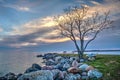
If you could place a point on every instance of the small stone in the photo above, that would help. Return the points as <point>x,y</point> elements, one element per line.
<point>94,73</point>
<point>66,66</point>
<point>75,63</point>
<point>74,70</point>
<point>71,76</point>
<point>83,67</point>
<point>89,68</point>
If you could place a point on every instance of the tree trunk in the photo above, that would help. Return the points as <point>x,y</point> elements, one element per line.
<point>80,53</point>
<point>77,47</point>
<point>82,46</point>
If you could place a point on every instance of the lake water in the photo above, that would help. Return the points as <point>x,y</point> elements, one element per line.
<point>17,62</point>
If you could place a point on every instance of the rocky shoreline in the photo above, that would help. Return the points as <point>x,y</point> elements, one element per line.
<point>58,68</point>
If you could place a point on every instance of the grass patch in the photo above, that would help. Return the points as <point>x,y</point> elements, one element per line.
<point>109,65</point>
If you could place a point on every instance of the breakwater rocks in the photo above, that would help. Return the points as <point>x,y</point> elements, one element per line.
<point>57,68</point>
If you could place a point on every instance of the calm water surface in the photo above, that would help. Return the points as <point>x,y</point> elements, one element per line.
<point>17,62</point>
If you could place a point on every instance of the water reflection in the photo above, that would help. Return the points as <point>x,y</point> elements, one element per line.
<point>17,62</point>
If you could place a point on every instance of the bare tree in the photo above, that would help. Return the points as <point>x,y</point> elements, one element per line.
<point>81,26</point>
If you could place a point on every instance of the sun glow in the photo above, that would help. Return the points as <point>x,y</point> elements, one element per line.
<point>52,40</point>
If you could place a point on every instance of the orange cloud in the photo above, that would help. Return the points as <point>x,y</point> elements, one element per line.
<point>33,26</point>
<point>52,40</point>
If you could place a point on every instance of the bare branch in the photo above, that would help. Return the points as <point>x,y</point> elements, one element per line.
<point>76,24</point>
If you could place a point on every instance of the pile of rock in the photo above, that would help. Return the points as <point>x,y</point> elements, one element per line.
<point>61,68</point>
<point>57,68</point>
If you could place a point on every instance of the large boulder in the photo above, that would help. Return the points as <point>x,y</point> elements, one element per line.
<point>35,67</point>
<point>38,75</point>
<point>30,69</point>
<point>42,75</point>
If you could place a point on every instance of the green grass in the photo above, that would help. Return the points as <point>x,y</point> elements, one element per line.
<point>109,65</point>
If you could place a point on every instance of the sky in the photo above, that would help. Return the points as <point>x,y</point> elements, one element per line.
<point>28,26</point>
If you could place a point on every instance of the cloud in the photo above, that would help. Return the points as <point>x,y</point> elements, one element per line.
<point>18,7</point>
<point>107,5</point>
<point>1,29</point>
<point>24,44</point>
<point>23,8</point>
<point>43,30</point>
<point>33,33</point>
<point>56,40</point>
<point>111,1</point>
<point>95,3</point>
<point>34,26</point>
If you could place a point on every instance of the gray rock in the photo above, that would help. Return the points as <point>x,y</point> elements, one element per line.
<point>83,67</point>
<point>85,77</point>
<point>59,66</point>
<point>47,68</point>
<point>40,55</point>
<point>62,60</point>
<point>50,62</point>
<point>82,60</point>
<point>84,73</point>
<point>50,56</point>
<point>20,74</point>
<point>94,73</point>
<point>3,78</point>
<point>72,59</point>
<point>10,76</point>
<point>66,66</point>
<point>58,58</point>
<point>31,69</point>
<point>75,63</point>
<point>56,74</point>
<point>91,57</point>
<point>71,76</point>
<point>35,67</point>
<point>38,75</point>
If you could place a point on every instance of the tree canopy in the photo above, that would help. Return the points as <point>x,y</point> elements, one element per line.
<point>82,26</point>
